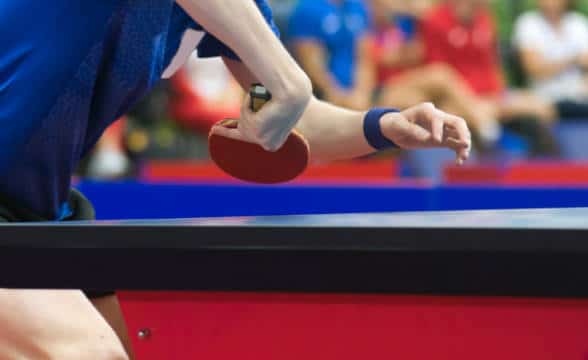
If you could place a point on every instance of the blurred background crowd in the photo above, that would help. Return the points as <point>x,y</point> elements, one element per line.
<point>516,70</point>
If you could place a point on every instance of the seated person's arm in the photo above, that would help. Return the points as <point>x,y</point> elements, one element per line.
<point>313,59</point>
<point>411,53</point>
<point>583,38</point>
<point>365,78</point>
<point>583,60</point>
<point>536,66</point>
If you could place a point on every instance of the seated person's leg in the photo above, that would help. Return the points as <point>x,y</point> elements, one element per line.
<point>54,324</point>
<point>538,135</point>
<point>401,95</point>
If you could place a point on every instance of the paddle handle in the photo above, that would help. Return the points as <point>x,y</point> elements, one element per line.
<point>259,96</point>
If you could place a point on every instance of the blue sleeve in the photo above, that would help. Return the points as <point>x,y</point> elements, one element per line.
<point>363,12</point>
<point>212,47</point>
<point>305,23</point>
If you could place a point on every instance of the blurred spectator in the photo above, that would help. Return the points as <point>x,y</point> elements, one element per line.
<point>462,33</point>
<point>202,93</point>
<point>553,46</point>
<point>330,39</point>
<point>108,160</point>
<point>403,78</point>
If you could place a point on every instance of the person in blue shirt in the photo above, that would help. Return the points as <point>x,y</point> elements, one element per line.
<point>69,68</point>
<point>331,40</point>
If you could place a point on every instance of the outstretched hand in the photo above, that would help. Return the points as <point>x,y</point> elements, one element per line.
<point>424,126</point>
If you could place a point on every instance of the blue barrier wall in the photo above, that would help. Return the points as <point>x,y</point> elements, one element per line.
<point>129,200</point>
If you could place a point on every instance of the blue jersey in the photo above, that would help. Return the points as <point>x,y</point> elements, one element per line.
<point>337,26</point>
<point>68,69</point>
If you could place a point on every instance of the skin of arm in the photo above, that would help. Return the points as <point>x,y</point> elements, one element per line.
<point>313,60</point>
<point>333,133</point>
<point>583,60</point>
<point>326,127</point>
<point>311,55</point>
<point>411,53</point>
<point>539,68</point>
<point>365,75</point>
<point>249,36</point>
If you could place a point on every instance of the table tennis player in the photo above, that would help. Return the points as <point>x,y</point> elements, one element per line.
<point>69,68</point>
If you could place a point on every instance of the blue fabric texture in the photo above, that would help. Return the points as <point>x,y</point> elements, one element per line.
<point>335,26</point>
<point>70,69</point>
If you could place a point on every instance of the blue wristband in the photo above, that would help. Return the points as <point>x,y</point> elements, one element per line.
<point>372,130</point>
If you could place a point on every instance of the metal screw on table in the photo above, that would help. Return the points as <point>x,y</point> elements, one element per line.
<point>144,334</point>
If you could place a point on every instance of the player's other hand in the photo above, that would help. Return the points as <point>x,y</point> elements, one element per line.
<point>270,126</point>
<point>424,126</point>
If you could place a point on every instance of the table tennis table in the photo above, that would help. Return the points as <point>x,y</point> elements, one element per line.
<point>493,284</point>
<point>541,252</point>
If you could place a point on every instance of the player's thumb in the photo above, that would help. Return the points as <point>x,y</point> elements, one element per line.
<point>231,133</point>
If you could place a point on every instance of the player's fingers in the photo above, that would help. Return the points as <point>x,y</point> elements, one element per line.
<point>449,133</point>
<point>462,153</point>
<point>460,127</point>
<point>428,117</point>
<point>437,125</point>
<point>231,133</point>
<point>420,135</point>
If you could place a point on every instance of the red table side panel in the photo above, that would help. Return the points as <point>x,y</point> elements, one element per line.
<point>473,174</point>
<point>385,170</point>
<point>548,173</point>
<point>521,173</point>
<point>300,326</point>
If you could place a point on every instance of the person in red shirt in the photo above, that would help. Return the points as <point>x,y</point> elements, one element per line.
<point>402,76</point>
<point>462,34</point>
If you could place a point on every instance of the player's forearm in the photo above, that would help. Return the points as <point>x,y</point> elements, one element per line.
<point>240,25</point>
<point>334,133</point>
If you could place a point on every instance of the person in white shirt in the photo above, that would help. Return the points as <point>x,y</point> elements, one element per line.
<point>553,46</point>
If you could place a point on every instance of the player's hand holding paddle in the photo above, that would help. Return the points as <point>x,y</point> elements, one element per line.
<point>260,149</point>
<point>425,126</point>
<point>267,124</point>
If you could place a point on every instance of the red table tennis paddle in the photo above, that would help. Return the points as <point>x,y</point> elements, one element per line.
<point>250,162</point>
